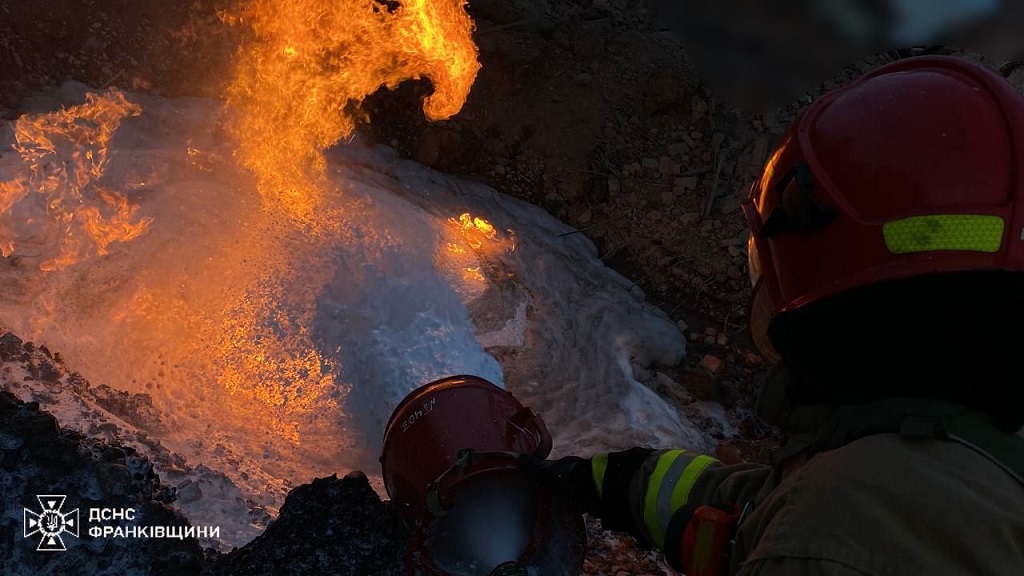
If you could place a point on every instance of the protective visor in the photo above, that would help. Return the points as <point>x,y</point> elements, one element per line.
<point>760,310</point>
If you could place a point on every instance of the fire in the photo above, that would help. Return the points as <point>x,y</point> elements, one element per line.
<point>56,204</point>
<point>468,241</point>
<point>479,234</point>
<point>475,230</point>
<point>297,88</point>
<point>310,64</point>
<point>483,226</point>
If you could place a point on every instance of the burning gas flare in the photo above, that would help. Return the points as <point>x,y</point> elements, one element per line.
<point>56,208</point>
<point>309,65</point>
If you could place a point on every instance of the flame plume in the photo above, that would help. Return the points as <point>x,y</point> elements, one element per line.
<point>310,64</point>
<point>58,191</point>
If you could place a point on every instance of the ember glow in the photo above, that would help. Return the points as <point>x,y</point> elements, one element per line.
<point>309,65</point>
<point>57,211</point>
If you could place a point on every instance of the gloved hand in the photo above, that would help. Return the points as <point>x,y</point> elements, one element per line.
<point>569,479</point>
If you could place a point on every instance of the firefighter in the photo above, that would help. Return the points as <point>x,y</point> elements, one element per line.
<point>887,258</point>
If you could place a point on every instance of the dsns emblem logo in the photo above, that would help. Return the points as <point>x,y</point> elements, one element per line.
<point>51,523</point>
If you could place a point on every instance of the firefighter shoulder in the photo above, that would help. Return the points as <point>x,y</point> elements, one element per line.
<point>887,259</point>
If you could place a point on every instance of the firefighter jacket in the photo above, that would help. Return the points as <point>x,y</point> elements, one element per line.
<point>875,504</point>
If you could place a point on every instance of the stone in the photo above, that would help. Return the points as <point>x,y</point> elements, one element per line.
<point>649,163</point>
<point>722,339</point>
<point>329,526</point>
<point>665,165</point>
<point>712,363</point>
<point>709,340</point>
<point>10,346</point>
<point>685,183</point>
<point>710,331</point>
<point>727,204</point>
<point>586,216</point>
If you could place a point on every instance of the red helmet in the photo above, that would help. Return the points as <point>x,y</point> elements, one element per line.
<point>916,168</point>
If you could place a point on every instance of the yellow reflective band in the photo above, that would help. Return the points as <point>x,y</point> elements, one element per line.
<point>598,465</point>
<point>974,232</point>
<point>681,491</point>
<point>651,497</point>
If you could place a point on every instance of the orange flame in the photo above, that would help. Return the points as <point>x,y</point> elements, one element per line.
<point>65,155</point>
<point>467,242</point>
<point>476,229</point>
<point>300,82</point>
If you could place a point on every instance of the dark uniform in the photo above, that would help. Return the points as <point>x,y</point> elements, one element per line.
<point>884,503</point>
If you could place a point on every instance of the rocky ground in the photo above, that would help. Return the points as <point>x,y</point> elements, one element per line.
<point>330,526</point>
<point>582,107</point>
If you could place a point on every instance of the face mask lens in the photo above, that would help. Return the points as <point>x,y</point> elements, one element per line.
<point>759,317</point>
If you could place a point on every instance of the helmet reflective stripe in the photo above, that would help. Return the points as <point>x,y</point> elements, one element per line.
<point>974,232</point>
<point>668,489</point>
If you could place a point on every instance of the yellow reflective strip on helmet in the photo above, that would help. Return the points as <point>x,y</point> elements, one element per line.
<point>681,491</point>
<point>598,466</point>
<point>651,519</point>
<point>974,232</point>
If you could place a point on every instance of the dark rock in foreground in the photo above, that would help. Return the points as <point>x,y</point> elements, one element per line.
<point>330,526</point>
<point>38,458</point>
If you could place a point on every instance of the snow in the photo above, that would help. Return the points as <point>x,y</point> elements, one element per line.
<point>274,355</point>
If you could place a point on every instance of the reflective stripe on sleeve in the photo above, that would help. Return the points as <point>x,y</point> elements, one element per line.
<point>598,466</point>
<point>668,489</point>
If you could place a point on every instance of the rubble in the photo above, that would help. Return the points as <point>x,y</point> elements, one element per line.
<point>38,457</point>
<point>329,526</point>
